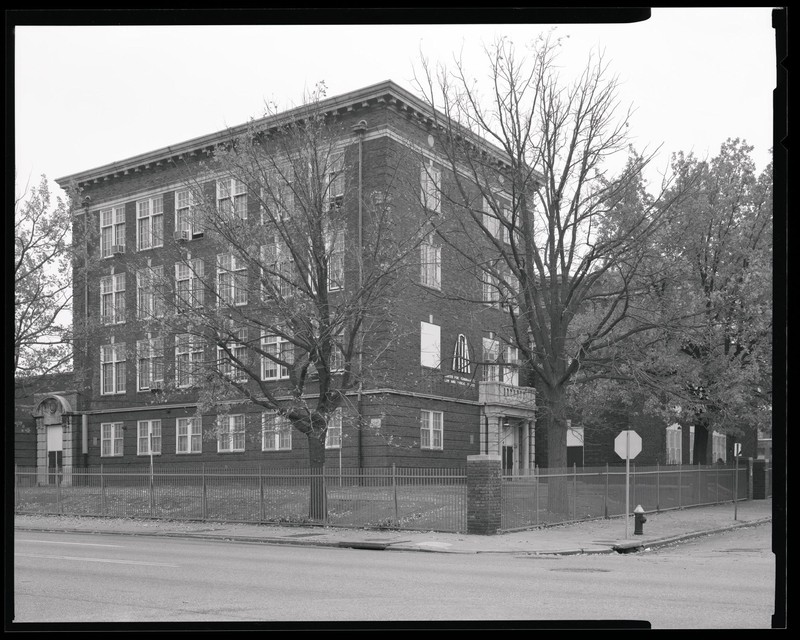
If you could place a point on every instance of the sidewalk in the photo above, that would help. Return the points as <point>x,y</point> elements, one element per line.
<point>593,536</point>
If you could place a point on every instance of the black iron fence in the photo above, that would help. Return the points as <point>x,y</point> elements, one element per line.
<point>390,497</point>
<point>555,496</point>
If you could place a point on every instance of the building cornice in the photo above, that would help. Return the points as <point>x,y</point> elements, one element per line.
<point>385,93</point>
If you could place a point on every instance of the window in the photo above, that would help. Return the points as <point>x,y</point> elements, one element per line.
<point>112,298</point>
<point>336,179</point>
<point>431,263</point>
<point>111,439</point>
<point>231,279</point>
<point>461,355</point>
<point>188,359</point>
<point>430,435</point>
<point>230,434</point>
<point>150,293</point>
<point>150,360</point>
<point>281,349</point>
<point>430,345</point>
<point>149,433</point>
<point>188,221</point>
<point>112,230</point>
<point>491,292</point>
<point>511,365</point>
<point>491,354</point>
<point>276,432</point>
<point>333,435</point>
<point>225,363</point>
<point>112,368</point>
<point>278,270</point>
<point>674,444</point>
<point>232,197</point>
<point>493,223</point>
<point>510,290</point>
<point>431,179</point>
<point>278,196</point>
<point>189,290</point>
<point>188,435</point>
<point>334,249</point>
<point>150,223</point>
<point>337,357</point>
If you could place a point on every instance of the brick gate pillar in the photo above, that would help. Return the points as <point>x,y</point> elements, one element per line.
<point>759,479</point>
<point>483,494</point>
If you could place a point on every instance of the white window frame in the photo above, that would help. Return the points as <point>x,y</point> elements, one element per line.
<point>112,298</point>
<point>112,362</point>
<point>192,436</point>
<point>150,292</point>
<point>430,351</point>
<point>431,179</point>
<point>149,362</point>
<point>335,250</point>
<point>231,433</point>
<point>231,280</point>
<point>188,352</point>
<point>232,197</point>
<point>431,430</point>
<point>280,192</point>
<point>278,268</point>
<point>674,444</point>
<point>112,229</point>
<point>225,364</point>
<point>143,441</point>
<point>187,216</point>
<point>491,290</point>
<point>430,263</point>
<point>333,434</point>
<point>510,365</point>
<point>150,223</point>
<point>461,360</point>
<point>491,355</point>
<point>719,448</point>
<point>276,432</point>
<point>189,286</point>
<point>280,347</point>
<point>335,179</point>
<point>112,438</point>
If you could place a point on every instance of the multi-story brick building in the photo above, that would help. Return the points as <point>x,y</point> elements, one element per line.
<point>445,387</point>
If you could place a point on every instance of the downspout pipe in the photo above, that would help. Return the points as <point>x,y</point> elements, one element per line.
<point>359,129</point>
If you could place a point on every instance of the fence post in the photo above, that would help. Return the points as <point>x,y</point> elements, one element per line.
<point>152,497</point>
<point>394,494</point>
<point>605,501</point>
<point>536,489</point>
<point>102,492</point>
<point>203,514</point>
<point>574,490</point>
<point>680,483</point>
<point>260,495</point>
<point>716,477</point>
<point>658,487</point>
<point>633,483</point>
<point>484,494</point>
<point>60,507</point>
<point>16,488</point>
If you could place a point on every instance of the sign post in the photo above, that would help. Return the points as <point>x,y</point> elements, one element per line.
<point>737,450</point>
<point>627,445</point>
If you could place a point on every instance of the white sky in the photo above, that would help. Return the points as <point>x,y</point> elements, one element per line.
<point>88,96</point>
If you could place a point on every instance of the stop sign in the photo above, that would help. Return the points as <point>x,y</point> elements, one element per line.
<point>628,445</point>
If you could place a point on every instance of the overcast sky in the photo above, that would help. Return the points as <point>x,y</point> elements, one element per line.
<point>88,96</point>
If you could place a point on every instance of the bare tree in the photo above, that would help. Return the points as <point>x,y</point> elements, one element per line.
<point>304,268</point>
<point>42,283</point>
<point>563,245</point>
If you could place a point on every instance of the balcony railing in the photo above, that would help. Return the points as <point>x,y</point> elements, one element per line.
<point>506,394</point>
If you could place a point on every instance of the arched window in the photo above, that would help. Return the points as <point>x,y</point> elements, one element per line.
<point>461,355</point>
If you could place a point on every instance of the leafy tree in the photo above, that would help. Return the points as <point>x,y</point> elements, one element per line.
<point>42,283</point>
<point>567,245</point>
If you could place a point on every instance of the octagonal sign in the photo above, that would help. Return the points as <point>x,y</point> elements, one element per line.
<point>628,445</point>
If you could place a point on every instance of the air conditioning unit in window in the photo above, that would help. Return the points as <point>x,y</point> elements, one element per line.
<point>117,249</point>
<point>183,236</point>
<point>157,385</point>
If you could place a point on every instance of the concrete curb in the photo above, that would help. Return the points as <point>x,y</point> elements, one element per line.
<point>629,546</point>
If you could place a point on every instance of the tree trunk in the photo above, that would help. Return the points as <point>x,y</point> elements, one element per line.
<point>701,437</point>
<point>557,486</point>
<point>318,499</point>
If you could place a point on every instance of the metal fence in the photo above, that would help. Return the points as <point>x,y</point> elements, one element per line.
<point>597,492</point>
<point>383,497</point>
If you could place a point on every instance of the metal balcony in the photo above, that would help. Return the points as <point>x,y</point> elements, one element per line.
<point>499,393</point>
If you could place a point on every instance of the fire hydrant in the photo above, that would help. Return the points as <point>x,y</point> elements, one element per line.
<point>638,520</point>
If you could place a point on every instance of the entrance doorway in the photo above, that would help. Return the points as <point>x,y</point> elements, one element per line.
<point>55,446</point>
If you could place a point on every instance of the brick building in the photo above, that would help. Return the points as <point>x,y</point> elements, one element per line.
<point>446,387</point>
